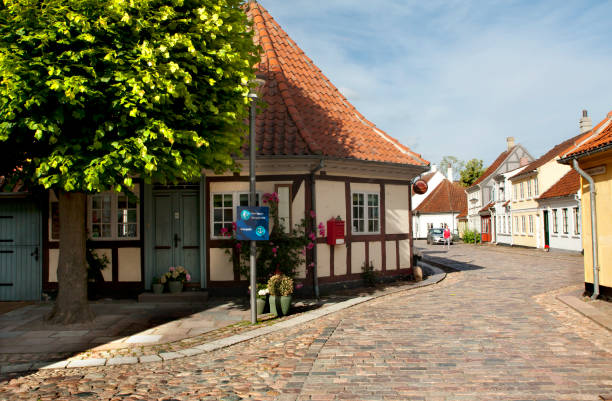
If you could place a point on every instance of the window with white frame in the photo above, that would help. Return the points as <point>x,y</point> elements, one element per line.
<point>565,222</point>
<point>576,221</point>
<point>535,186</point>
<point>114,216</point>
<point>555,222</point>
<point>516,224</point>
<point>528,188</point>
<point>530,224</point>
<point>523,228</point>
<point>366,213</point>
<point>224,207</point>
<point>522,190</point>
<point>515,186</point>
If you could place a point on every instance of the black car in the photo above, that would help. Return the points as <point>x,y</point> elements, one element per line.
<point>436,236</point>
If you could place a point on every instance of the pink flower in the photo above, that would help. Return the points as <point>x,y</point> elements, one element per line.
<point>298,286</point>
<point>224,231</point>
<point>238,245</point>
<point>312,236</point>
<point>310,245</point>
<point>188,277</point>
<point>274,250</point>
<point>304,252</point>
<point>321,230</point>
<point>171,269</point>
<point>313,214</point>
<point>234,226</point>
<point>311,265</point>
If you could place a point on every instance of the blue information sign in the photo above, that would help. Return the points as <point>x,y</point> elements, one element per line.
<point>253,223</point>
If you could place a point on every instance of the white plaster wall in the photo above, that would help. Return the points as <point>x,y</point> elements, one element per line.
<point>391,256</point>
<point>396,209</point>
<point>357,256</point>
<point>301,271</point>
<point>404,252</point>
<point>129,264</point>
<point>358,186</point>
<point>376,255</point>
<point>339,260</point>
<point>297,212</point>
<point>569,241</point>
<point>108,272</point>
<point>220,266</point>
<point>323,267</point>
<point>437,219</point>
<point>53,261</point>
<point>431,185</point>
<point>330,197</point>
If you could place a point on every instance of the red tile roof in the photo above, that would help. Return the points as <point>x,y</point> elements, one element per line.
<point>491,169</point>
<point>445,198</point>
<point>305,112</point>
<point>567,185</point>
<point>600,138</point>
<point>558,150</point>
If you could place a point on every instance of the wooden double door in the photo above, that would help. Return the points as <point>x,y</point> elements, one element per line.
<point>177,231</point>
<point>486,228</point>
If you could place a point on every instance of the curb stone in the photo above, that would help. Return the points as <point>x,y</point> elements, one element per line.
<point>437,276</point>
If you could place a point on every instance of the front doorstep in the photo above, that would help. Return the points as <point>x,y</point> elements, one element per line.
<point>185,297</point>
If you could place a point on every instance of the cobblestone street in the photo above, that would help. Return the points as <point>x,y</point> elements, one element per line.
<point>493,330</point>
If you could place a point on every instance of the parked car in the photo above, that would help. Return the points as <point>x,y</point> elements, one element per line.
<point>436,236</point>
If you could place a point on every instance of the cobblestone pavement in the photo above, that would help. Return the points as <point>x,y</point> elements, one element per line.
<point>490,331</point>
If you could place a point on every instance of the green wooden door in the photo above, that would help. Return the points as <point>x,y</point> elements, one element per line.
<point>20,252</point>
<point>177,232</point>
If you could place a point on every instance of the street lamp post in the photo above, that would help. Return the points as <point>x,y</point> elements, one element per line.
<point>253,195</point>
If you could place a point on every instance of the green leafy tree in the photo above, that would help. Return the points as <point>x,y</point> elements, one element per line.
<point>451,161</point>
<point>94,93</point>
<point>471,172</point>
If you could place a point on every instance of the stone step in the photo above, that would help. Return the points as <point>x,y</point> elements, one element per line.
<point>185,297</point>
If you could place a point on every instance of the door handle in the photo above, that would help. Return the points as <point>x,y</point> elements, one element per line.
<point>176,240</point>
<point>35,254</point>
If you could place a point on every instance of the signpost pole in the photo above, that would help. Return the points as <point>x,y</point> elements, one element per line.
<point>252,203</point>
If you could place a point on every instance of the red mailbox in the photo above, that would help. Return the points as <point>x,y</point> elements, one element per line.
<point>335,232</point>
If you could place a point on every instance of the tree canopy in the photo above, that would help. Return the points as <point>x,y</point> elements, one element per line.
<point>471,172</point>
<point>95,92</point>
<point>451,161</point>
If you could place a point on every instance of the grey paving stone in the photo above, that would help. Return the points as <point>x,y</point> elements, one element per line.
<point>166,356</point>
<point>149,358</point>
<point>191,351</point>
<point>54,365</point>
<point>86,363</point>
<point>126,360</point>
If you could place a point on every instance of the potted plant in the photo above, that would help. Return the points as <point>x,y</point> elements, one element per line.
<point>176,276</point>
<point>262,295</point>
<point>274,290</point>
<point>157,285</point>
<point>285,287</point>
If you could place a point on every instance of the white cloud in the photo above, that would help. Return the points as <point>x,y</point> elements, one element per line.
<point>456,78</point>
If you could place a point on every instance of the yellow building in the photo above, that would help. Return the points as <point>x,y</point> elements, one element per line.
<point>592,158</point>
<point>536,178</point>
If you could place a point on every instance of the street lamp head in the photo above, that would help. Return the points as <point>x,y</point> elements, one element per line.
<point>256,87</point>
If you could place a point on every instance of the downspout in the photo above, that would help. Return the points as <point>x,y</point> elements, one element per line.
<point>313,201</point>
<point>593,227</point>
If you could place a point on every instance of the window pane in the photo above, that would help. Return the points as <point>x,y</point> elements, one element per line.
<point>217,229</point>
<point>355,199</point>
<point>227,215</point>
<point>244,199</point>
<point>355,225</point>
<point>218,215</point>
<point>95,231</point>
<point>106,230</point>
<point>372,200</point>
<point>361,226</point>
<point>227,200</point>
<point>131,217</point>
<point>217,200</point>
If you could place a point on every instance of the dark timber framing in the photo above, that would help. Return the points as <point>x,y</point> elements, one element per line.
<point>296,180</point>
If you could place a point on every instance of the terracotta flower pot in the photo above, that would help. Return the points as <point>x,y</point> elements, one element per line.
<point>175,286</point>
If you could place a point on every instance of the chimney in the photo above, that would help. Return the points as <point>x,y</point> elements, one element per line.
<point>524,161</point>
<point>449,174</point>
<point>510,142</point>
<point>585,122</point>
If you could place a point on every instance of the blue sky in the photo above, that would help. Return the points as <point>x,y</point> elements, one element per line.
<point>458,77</point>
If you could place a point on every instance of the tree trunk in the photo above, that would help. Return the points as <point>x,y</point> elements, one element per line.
<point>71,305</point>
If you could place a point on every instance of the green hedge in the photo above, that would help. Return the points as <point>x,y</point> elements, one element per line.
<point>471,237</point>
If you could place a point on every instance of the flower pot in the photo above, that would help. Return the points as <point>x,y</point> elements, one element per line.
<point>261,304</point>
<point>285,304</point>
<point>158,288</point>
<point>175,286</point>
<point>275,305</point>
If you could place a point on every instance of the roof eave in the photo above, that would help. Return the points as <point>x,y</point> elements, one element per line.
<point>568,159</point>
